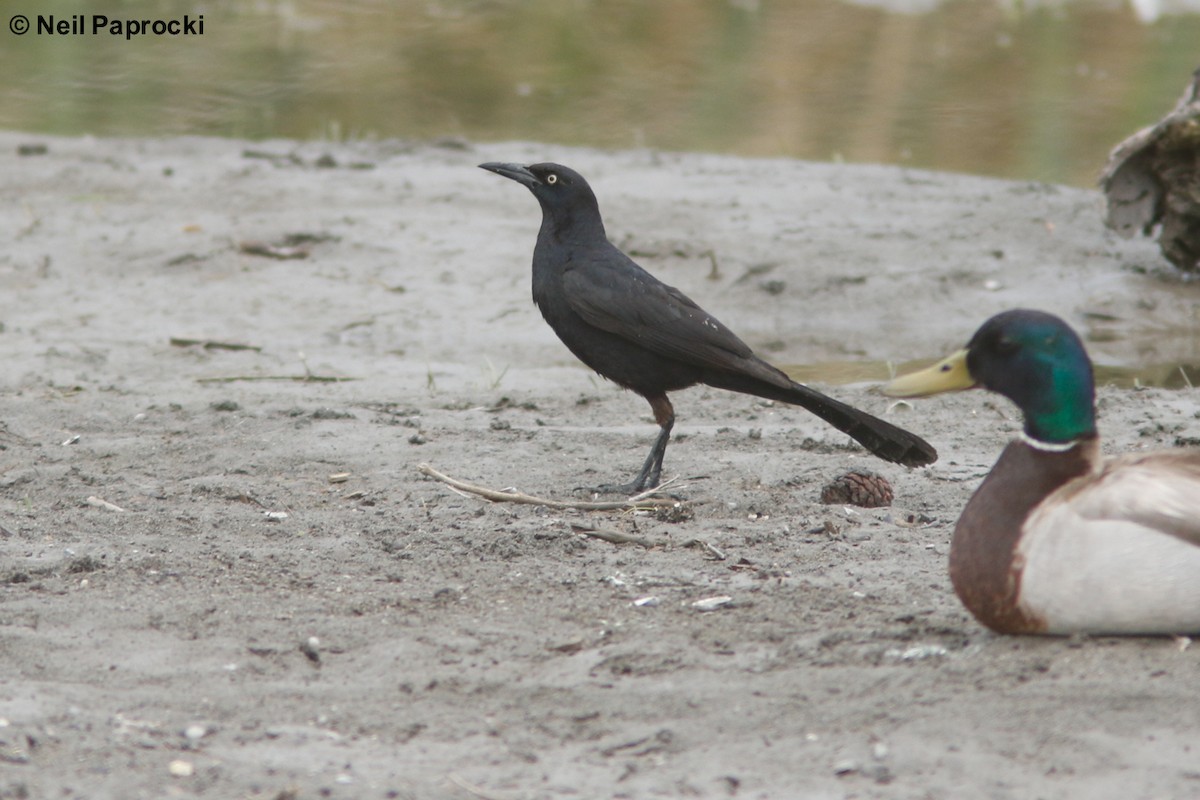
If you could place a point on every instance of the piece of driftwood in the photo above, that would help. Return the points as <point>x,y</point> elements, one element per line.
<point>1152,179</point>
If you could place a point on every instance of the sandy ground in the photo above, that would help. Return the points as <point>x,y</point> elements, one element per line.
<point>249,626</point>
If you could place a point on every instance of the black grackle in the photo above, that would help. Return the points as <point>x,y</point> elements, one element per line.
<point>649,337</point>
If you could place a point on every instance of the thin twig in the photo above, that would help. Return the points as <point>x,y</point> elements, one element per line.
<point>655,491</point>
<point>294,378</point>
<point>613,537</point>
<point>716,554</point>
<point>209,344</point>
<point>638,501</point>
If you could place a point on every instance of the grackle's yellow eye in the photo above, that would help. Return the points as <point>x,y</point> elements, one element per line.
<point>551,179</point>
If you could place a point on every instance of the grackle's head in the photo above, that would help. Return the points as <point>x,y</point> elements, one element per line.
<point>564,195</point>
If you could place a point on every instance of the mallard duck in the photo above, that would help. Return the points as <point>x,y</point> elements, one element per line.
<point>1057,539</point>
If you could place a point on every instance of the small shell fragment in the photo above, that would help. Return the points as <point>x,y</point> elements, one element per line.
<point>311,648</point>
<point>100,502</point>
<point>275,516</point>
<point>649,601</point>
<point>181,769</point>
<point>269,250</point>
<point>712,603</point>
<point>917,653</point>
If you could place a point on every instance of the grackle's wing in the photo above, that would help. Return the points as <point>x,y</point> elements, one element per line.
<point>614,294</point>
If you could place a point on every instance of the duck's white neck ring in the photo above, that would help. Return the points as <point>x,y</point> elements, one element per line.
<point>1047,447</point>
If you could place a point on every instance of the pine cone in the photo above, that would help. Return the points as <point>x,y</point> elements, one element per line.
<point>858,488</point>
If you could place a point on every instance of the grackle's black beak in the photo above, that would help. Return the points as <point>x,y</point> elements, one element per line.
<point>516,172</point>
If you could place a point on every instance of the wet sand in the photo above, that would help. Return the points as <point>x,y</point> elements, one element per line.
<point>220,580</point>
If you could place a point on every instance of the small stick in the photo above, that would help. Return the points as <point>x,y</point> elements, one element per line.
<point>209,344</point>
<point>614,537</point>
<point>716,554</point>
<point>643,500</point>
<point>714,274</point>
<point>295,378</point>
<point>100,502</point>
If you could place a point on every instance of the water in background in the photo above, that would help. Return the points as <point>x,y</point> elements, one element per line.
<point>1022,90</point>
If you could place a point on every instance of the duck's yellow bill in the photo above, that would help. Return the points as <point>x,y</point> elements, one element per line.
<point>948,375</point>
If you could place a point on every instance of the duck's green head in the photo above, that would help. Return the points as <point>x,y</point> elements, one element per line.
<point>1032,358</point>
